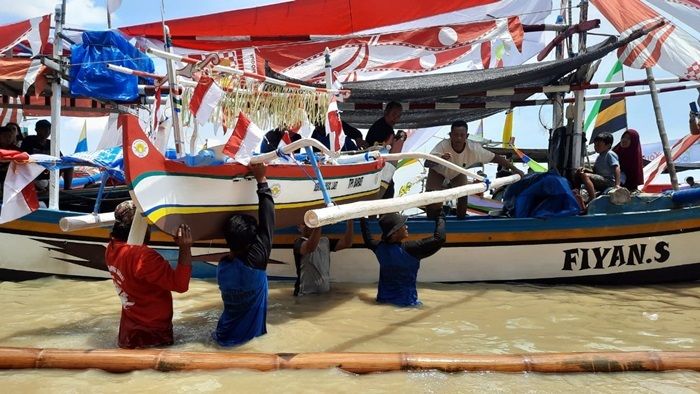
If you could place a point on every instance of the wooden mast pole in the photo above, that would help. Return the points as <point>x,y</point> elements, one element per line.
<point>662,129</point>
<point>60,13</point>
<point>558,107</point>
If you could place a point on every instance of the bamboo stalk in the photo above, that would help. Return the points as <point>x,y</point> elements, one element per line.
<point>117,360</point>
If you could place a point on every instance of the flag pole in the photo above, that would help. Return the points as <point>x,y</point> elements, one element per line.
<point>662,129</point>
<point>60,13</point>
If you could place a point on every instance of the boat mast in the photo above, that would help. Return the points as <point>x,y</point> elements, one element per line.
<point>175,102</point>
<point>558,104</point>
<point>662,129</point>
<point>60,13</point>
<point>579,106</point>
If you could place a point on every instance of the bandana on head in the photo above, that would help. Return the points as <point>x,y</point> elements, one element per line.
<point>124,212</point>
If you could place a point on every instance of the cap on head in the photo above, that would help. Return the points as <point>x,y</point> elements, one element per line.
<point>390,223</point>
<point>124,212</point>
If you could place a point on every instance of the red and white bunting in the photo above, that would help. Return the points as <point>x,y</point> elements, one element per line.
<point>35,31</point>
<point>14,115</point>
<point>19,193</point>
<point>658,165</point>
<point>205,98</point>
<point>245,140</point>
<point>668,46</point>
<point>334,127</point>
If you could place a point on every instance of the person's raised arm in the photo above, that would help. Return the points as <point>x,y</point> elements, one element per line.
<point>259,251</point>
<point>425,247</point>
<point>153,268</point>
<point>370,243</point>
<point>507,164</point>
<point>311,244</point>
<point>346,241</point>
<point>618,175</point>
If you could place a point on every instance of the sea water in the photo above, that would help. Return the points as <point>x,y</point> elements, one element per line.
<point>455,318</point>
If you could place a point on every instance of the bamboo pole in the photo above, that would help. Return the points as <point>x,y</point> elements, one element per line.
<point>662,129</point>
<point>338,213</point>
<point>117,360</point>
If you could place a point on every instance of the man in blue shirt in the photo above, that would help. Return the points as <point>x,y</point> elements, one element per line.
<point>399,260</point>
<point>241,274</point>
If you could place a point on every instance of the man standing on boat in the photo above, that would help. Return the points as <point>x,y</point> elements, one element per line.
<point>399,260</point>
<point>312,257</point>
<point>144,280</point>
<point>382,133</point>
<point>40,143</point>
<point>463,153</point>
<point>241,274</point>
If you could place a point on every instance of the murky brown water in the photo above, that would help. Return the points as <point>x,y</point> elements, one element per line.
<point>469,318</point>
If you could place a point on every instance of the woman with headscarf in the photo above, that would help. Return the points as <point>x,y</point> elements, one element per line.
<point>629,152</point>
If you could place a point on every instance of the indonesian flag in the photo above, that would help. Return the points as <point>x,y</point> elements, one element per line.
<point>658,165</point>
<point>668,46</point>
<point>205,98</point>
<point>19,193</point>
<point>334,127</point>
<point>246,138</point>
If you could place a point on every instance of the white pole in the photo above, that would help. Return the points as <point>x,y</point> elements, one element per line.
<point>338,213</point>
<point>580,105</point>
<point>56,103</point>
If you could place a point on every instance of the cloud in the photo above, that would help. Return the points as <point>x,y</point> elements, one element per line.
<point>79,13</point>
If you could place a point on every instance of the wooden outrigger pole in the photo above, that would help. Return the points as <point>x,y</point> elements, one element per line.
<point>116,360</point>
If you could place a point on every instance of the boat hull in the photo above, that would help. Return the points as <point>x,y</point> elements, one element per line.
<point>617,249</point>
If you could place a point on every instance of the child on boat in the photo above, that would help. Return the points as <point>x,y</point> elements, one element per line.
<point>241,274</point>
<point>144,280</point>
<point>399,260</point>
<point>606,170</point>
<point>312,257</point>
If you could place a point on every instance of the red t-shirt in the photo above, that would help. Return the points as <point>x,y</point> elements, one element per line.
<point>144,280</point>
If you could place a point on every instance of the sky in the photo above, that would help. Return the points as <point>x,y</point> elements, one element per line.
<point>528,122</point>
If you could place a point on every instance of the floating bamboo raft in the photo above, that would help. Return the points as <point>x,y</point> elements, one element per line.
<point>115,360</point>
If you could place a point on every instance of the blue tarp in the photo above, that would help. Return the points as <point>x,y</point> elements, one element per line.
<point>540,196</point>
<point>89,76</point>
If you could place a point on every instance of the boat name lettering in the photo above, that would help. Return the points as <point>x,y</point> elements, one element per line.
<point>355,182</point>
<point>616,256</point>
<point>330,185</point>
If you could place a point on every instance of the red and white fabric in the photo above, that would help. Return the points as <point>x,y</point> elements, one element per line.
<point>659,164</point>
<point>686,11</point>
<point>668,47</point>
<point>19,194</point>
<point>244,140</point>
<point>389,39</point>
<point>35,31</point>
<point>205,98</point>
<point>334,127</point>
<point>14,115</point>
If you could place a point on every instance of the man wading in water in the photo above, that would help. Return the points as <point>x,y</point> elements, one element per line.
<point>399,260</point>
<point>144,280</point>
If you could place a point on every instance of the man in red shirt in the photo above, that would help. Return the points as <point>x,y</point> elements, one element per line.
<point>144,280</point>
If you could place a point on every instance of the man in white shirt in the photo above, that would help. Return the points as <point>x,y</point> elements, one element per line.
<point>464,153</point>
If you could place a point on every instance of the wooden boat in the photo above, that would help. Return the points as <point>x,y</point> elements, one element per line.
<point>169,192</point>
